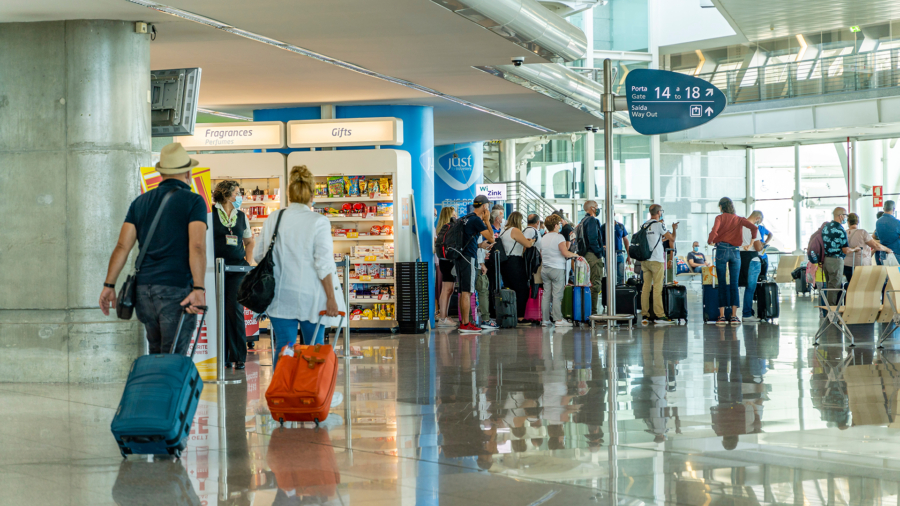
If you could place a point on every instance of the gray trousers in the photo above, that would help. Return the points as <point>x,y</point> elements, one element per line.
<point>158,307</point>
<point>554,287</point>
<point>834,276</point>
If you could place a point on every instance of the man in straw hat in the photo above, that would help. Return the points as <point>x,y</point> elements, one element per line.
<point>172,274</point>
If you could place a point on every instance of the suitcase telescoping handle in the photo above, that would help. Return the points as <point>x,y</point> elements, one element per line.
<point>340,325</point>
<point>200,329</point>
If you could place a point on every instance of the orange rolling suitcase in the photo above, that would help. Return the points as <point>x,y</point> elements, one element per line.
<point>303,383</point>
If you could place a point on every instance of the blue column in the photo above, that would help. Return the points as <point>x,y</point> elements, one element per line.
<point>456,176</point>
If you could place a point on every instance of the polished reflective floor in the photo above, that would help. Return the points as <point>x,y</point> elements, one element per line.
<point>692,414</point>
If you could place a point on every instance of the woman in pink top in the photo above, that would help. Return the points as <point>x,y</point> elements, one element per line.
<point>727,235</point>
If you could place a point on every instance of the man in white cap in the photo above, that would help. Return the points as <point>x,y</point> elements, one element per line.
<point>172,273</point>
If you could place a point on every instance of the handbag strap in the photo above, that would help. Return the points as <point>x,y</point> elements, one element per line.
<point>275,232</point>
<point>153,225</point>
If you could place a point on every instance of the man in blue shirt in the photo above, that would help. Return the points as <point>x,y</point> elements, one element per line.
<point>887,228</point>
<point>621,240</point>
<point>837,247</point>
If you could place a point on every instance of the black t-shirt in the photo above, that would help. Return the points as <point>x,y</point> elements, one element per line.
<point>474,226</point>
<point>167,260</point>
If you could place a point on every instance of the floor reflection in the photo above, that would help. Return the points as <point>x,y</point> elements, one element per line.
<point>696,415</point>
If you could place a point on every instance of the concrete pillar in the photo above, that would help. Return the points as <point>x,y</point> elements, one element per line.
<point>869,171</point>
<point>508,160</point>
<point>589,155</point>
<point>798,220</point>
<point>74,130</point>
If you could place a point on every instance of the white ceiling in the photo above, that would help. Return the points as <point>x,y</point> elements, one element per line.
<point>768,19</point>
<point>415,40</point>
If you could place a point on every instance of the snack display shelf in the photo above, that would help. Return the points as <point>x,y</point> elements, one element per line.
<point>383,219</point>
<point>372,301</point>
<point>326,200</point>
<point>364,261</point>
<point>386,238</point>
<point>386,281</point>
<point>372,324</point>
<point>248,203</point>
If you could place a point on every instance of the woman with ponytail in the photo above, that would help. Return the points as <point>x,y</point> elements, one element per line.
<point>306,281</point>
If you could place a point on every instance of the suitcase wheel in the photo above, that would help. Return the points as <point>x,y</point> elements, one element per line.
<point>281,421</point>
<point>317,422</point>
<point>124,455</point>
<point>176,452</point>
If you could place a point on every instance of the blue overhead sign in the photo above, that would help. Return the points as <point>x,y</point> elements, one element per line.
<point>661,102</point>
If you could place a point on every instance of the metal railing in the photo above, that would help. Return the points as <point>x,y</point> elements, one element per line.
<point>835,74</point>
<point>526,200</point>
<point>820,76</point>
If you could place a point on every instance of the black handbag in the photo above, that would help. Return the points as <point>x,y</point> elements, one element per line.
<point>257,289</point>
<point>128,292</point>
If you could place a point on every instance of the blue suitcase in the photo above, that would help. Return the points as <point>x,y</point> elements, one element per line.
<point>581,303</point>
<point>711,304</point>
<point>159,402</point>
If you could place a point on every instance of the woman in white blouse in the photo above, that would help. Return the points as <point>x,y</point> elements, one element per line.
<point>306,281</point>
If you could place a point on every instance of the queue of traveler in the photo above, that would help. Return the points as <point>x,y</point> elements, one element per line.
<point>170,225</point>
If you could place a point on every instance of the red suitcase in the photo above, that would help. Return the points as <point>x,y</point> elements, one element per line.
<point>303,383</point>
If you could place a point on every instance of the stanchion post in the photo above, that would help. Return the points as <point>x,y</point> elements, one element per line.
<point>347,354</point>
<point>609,107</point>
<point>220,326</point>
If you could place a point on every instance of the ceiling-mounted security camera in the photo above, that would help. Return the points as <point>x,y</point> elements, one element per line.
<point>589,128</point>
<point>595,130</point>
<point>518,60</point>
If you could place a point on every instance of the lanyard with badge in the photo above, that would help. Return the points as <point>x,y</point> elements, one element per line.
<point>229,222</point>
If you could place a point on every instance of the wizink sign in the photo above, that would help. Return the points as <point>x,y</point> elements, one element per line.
<point>245,135</point>
<point>323,133</point>
<point>492,191</point>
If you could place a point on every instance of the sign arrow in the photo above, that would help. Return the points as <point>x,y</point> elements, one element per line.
<point>709,111</point>
<point>709,92</point>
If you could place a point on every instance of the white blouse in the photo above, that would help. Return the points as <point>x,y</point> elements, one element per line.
<point>304,255</point>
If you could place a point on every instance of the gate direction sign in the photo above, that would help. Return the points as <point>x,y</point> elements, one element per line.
<point>661,102</point>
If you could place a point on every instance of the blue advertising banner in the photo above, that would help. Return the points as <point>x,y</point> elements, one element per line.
<point>661,102</point>
<point>457,175</point>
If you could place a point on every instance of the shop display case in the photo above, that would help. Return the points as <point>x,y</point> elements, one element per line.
<point>365,196</point>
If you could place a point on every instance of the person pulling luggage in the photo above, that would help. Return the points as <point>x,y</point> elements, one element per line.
<point>169,224</point>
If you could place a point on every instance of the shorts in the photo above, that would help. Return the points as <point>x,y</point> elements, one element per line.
<point>465,273</point>
<point>446,270</point>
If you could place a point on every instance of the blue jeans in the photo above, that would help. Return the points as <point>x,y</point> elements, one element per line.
<point>620,267</point>
<point>752,278</point>
<point>284,333</point>
<point>697,269</point>
<point>727,256</point>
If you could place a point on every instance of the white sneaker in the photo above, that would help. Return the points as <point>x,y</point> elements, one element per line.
<point>337,399</point>
<point>546,323</point>
<point>751,319</point>
<point>564,323</point>
<point>446,322</point>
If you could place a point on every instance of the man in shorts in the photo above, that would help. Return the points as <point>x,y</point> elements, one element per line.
<point>466,264</point>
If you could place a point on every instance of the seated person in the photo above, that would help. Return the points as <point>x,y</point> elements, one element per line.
<point>696,260</point>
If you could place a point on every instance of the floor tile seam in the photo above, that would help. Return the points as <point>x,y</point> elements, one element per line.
<point>54,398</point>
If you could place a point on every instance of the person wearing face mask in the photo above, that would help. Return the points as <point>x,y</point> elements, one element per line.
<point>696,260</point>
<point>837,247</point>
<point>233,242</point>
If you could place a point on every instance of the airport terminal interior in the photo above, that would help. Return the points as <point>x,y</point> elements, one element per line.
<point>785,112</point>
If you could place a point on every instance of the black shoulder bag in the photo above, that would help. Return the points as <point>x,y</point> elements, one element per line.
<point>128,293</point>
<point>257,289</point>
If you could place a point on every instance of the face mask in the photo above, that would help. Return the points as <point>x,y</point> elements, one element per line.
<point>843,221</point>
<point>696,248</point>
<point>238,201</point>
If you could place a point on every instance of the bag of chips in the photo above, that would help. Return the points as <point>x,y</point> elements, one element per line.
<point>352,183</point>
<point>384,186</point>
<point>363,186</point>
<point>336,186</point>
<point>321,189</point>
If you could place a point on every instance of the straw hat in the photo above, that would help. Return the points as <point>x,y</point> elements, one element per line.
<point>173,159</point>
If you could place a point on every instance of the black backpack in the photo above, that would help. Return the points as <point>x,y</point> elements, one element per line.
<point>454,241</point>
<point>439,239</point>
<point>640,249</point>
<point>579,244</point>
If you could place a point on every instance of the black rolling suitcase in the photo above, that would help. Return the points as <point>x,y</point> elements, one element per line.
<point>767,306</point>
<point>628,300</point>
<point>505,302</point>
<point>675,302</point>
